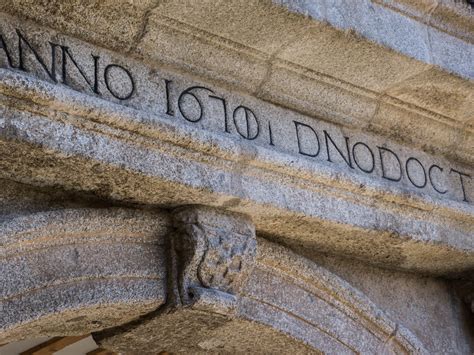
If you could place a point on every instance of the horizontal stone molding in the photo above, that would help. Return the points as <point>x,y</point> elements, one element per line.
<point>129,130</point>
<point>146,149</point>
<point>379,107</point>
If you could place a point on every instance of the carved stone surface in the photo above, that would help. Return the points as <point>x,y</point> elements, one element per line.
<point>155,136</point>
<point>340,133</point>
<point>213,250</point>
<point>73,271</point>
<point>280,296</point>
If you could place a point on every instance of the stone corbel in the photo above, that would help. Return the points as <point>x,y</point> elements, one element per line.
<point>214,253</point>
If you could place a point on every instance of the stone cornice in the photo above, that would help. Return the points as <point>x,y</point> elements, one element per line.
<point>312,92</point>
<point>131,150</point>
<point>405,97</point>
<point>47,100</point>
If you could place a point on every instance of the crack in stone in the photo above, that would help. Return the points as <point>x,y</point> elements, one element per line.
<point>144,27</point>
<point>271,62</point>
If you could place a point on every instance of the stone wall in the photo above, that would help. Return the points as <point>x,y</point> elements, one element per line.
<point>238,176</point>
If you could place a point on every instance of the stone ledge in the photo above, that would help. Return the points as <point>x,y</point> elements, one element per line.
<point>89,114</point>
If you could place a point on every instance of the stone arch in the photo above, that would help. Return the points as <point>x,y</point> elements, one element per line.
<point>275,300</point>
<point>73,271</point>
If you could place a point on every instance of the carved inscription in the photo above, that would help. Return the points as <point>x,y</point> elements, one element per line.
<point>311,143</point>
<point>118,80</point>
<point>99,75</point>
<point>390,165</point>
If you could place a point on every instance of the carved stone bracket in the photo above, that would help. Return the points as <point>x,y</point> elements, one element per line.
<point>214,252</point>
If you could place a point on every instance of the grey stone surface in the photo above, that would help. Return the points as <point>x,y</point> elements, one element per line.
<point>247,178</point>
<point>213,250</point>
<point>121,22</point>
<point>18,199</point>
<point>431,308</point>
<point>273,121</point>
<point>225,290</point>
<point>437,32</point>
<point>250,51</point>
<point>72,271</point>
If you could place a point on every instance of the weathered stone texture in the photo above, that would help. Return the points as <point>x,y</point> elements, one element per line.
<point>253,50</point>
<point>72,271</point>
<point>121,23</point>
<point>144,145</point>
<point>198,332</point>
<point>429,307</point>
<point>213,250</point>
<point>138,153</point>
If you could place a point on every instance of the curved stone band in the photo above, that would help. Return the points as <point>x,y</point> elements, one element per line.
<point>77,271</point>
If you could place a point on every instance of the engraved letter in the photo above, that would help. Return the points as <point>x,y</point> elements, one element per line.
<point>384,175</point>
<point>95,85</point>
<point>3,45</point>
<point>169,109</point>
<point>270,133</point>
<point>461,175</point>
<point>107,81</point>
<point>327,138</point>
<point>420,186</point>
<point>224,106</point>
<point>189,92</point>
<point>248,113</point>
<point>365,170</point>
<point>431,178</point>
<point>299,125</point>
<point>21,60</point>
